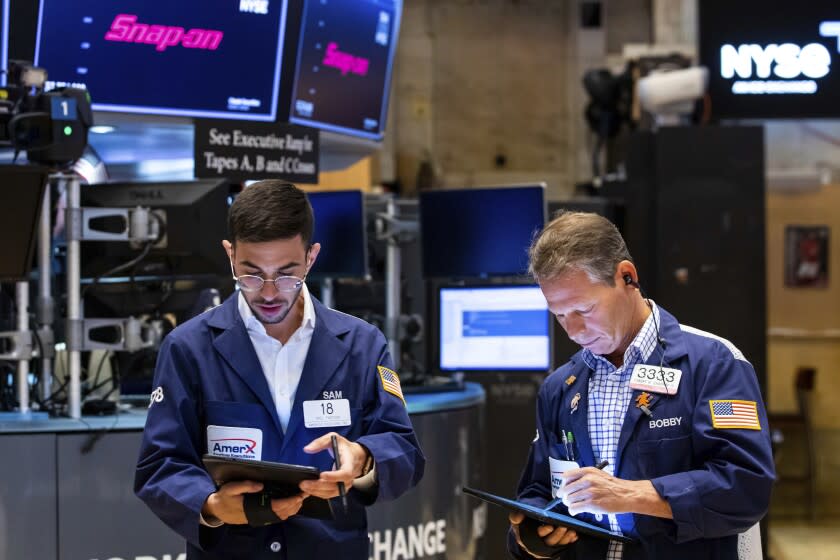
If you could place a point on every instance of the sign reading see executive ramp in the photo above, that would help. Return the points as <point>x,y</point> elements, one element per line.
<point>249,150</point>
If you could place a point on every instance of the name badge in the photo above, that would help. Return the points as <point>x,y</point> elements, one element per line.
<point>330,413</point>
<point>230,441</point>
<point>655,379</point>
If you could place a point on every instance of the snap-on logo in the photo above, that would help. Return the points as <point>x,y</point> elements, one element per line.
<point>345,62</point>
<point>126,29</point>
<point>234,447</point>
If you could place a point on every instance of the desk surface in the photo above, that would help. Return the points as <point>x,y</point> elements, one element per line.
<point>135,419</point>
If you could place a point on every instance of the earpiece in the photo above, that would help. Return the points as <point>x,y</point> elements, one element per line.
<point>628,280</point>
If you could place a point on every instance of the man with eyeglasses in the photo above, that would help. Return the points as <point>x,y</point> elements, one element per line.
<point>272,375</point>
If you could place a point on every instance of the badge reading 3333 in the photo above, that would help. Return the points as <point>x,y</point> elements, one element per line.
<point>655,379</point>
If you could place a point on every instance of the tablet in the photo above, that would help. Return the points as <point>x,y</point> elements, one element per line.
<point>548,517</point>
<point>281,480</point>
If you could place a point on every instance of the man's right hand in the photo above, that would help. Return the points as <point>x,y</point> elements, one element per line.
<point>552,536</point>
<point>226,503</point>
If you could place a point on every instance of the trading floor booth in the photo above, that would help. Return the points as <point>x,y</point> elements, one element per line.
<point>67,489</point>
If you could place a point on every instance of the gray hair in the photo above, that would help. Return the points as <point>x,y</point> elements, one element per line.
<point>578,241</point>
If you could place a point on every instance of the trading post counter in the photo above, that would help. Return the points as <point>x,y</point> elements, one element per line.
<point>67,489</point>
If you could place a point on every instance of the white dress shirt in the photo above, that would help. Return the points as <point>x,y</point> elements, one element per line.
<point>282,364</point>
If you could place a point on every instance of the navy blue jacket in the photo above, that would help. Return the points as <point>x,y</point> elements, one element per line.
<point>209,375</point>
<point>716,480</point>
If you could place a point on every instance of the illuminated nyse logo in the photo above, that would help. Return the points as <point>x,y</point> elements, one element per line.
<point>345,62</point>
<point>254,6</point>
<point>126,29</point>
<point>781,63</point>
<point>241,448</point>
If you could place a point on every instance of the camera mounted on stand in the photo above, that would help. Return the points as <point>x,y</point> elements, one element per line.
<point>51,126</point>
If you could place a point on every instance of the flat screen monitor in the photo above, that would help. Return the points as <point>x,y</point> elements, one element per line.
<point>343,71</point>
<point>482,232</point>
<point>771,58</point>
<point>187,260</point>
<point>21,194</point>
<point>194,223</point>
<point>186,58</point>
<point>494,328</point>
<point>340,228</point>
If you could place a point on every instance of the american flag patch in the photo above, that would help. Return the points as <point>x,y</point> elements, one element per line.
<point>390,381</point>
<point>735,414</point>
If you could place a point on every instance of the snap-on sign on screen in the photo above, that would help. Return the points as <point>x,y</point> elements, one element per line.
<point>187,58</point>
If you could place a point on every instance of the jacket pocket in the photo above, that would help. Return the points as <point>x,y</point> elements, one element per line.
<point>663,456</point>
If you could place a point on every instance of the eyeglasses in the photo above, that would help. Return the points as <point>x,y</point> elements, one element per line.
<point>251,283</point>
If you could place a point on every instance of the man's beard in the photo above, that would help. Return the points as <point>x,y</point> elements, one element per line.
<point>273,320</point>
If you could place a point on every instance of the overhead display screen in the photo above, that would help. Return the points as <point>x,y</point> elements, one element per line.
<point>784,64</point>
<point>344,64</point>
<point>218,59</point>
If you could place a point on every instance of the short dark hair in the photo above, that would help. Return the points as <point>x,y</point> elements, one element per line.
<point>270,210</point>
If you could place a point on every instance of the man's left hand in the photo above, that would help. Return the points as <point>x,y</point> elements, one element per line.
<point>353,458</point>
<point>595,491</point>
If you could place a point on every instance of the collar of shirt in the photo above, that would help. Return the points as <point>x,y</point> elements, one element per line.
<point>253,325</point>
<point>282,364</point>
<point>639,351</point>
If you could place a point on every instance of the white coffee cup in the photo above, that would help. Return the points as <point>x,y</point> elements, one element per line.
<point>557,467</point>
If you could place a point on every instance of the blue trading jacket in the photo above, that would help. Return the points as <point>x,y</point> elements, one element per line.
<point>716,480</point>
<point>209,375</point>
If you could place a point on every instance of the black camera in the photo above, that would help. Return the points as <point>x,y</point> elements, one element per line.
<point>51,126</point>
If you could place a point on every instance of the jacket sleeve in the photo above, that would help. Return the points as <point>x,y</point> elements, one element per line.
<point>535,486</point>
<point>169,477</point>
<point>389,435</point>
<point>731,492</point>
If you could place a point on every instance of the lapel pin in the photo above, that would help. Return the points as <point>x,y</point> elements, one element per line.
<point>570,379</point>
<point>642,402</point>
<point>575,401</point>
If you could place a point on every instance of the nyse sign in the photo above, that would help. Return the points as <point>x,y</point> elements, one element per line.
<point>785,68</point>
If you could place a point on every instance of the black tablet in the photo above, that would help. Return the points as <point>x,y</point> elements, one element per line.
<point>548,517</point>
<point>281,480</point>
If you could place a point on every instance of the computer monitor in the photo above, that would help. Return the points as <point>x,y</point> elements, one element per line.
<point>493,328</point>
<point>340,228</point>
<point>21,195</point>
<point>188,259</point>
<point>185,58</point>
<point>481,232</point>
<point>344,60</point>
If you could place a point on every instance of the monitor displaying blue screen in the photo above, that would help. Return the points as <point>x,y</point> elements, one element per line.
<point>483,232</point>
<point>186,57</point>
<point>343,71</point>
<point>340,229</point>
<point>494,328</point>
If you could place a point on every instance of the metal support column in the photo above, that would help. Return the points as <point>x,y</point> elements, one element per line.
<point>45,307</point>
<point>73,224</point>
<point>393,273</point>
<point>22,303</point>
